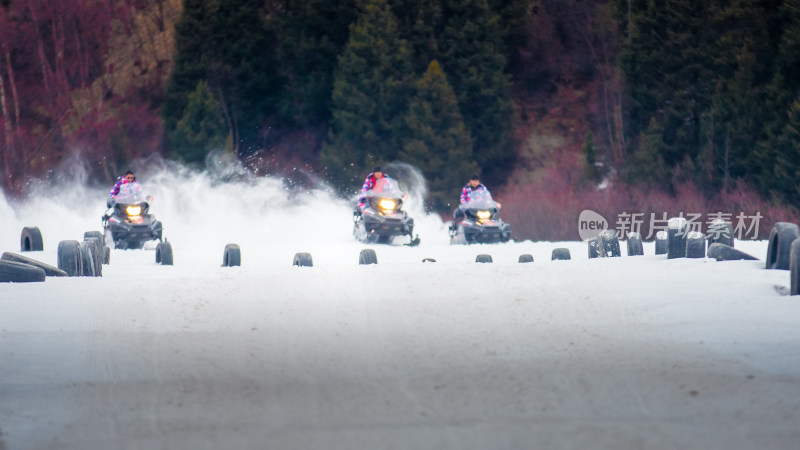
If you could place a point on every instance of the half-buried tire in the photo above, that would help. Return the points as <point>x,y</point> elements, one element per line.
<point>31,240</point>
<point>722,252</point>
<point>526,258</point>
<point>560,254</point>
<point>87,259</point>
<point>232,256</point>
<point>97,254</point>
<point>95,234</point>
<point>367,256</point>
<point>661,243</point>
<point>695,245</point>
<point>69,258</point>
<point>483,259</point>
<point>634,244</point>
<point>720,232</point>
<point>164,253</point>
<point>609,244</point>
<point>303,260</point>
<point>677,228</point>
<point>594,247</point>
<point>16,272</point>
<point>780,245</point>
<point>49,270</point>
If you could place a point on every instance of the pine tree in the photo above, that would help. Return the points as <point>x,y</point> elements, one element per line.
<point>371,89</point>
<point>437,140</point>
<point>786,167</point>
<point>202,127</point>
<point>311,34</point>
<point>471,52</point>
<point>227,44</point>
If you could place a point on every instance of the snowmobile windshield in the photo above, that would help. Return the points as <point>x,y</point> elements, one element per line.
<point>130,194</point>
<point>481,199</point>
<point>386,188</point>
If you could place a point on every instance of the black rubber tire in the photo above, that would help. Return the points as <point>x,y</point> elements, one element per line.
<point>780,243</point>
<point>164,253</point>
<point>232,256</point>
<point>561,254</point>
<point>69,258</point>
<point>87,259</point>
<point>95,234</point>
<point>31,240</point>
<point>661,243</point>
<point>526,258</point>
<point>634,244</point>
<point>106,255</point>
<point>722,252</point>
<point>303,260</point>
<point>367,256</point>
<point>609,244</point>
<point>49,270</point>
<point>676,237</point>
<point>720,231</point>
<point>483,259</point>
<point>695,245</point>
<point>17,272</point>
<point>794,268</point>
<point>594,247</point>
<point>97,254</point>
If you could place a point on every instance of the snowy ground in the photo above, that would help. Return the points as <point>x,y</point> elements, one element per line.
<point>623,353</point>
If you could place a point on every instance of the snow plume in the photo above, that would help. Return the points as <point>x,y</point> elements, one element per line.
<point>224,203</point>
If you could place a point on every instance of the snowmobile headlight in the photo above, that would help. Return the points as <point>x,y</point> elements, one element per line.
<point>387,204</point>
<point>483,215</point>
<point>133,210</point>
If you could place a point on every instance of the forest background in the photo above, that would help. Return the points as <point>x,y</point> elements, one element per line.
<point>651,107</point>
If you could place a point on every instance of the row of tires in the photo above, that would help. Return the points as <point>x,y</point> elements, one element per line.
<point>676,242</point>
<point>73,258</point>
<point>783,251</point>
<point>232,256</point>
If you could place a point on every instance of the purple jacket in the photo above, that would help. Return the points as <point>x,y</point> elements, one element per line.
<point>466,193</point>
<point>369,183</point>
<point>120,182</point>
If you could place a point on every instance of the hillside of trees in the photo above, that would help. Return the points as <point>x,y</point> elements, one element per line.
<point>666,105</point>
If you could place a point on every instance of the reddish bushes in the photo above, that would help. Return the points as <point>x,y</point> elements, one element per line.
<point>548,209</point>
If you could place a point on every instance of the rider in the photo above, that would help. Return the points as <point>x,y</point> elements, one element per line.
<point>129,177</point>
<point>473,185</point>
<point>369,184</point>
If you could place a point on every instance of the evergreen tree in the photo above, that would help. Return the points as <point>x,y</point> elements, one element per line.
<point>437,140</point>
<point>471,51</point>
<point>312,33</point>
<point>786,166</point>
<point>371,89</point>
<point>781,95</point>
<point>227,44</point>
<point>202,127</point>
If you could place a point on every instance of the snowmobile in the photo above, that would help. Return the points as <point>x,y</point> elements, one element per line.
<point>382,216</point>
<point>479,222</point>
<point>128,224</point>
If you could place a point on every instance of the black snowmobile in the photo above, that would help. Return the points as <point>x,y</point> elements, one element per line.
<point>479,222</point>
<point>382,217</point>
<point>128,224</point>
